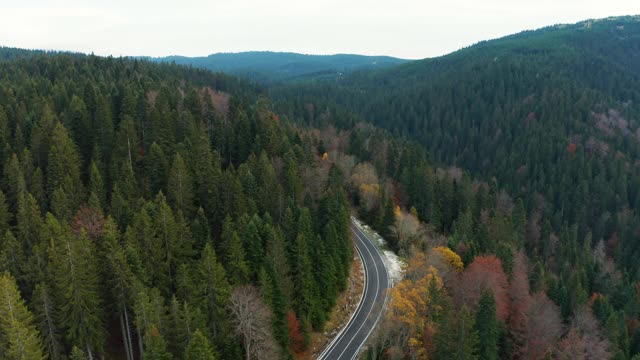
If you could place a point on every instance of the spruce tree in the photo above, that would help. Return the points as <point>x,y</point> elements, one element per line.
<point>64,166</point>
<point>234,254</point>
<point>77,354</point>
<point>96,184</point>
<point>457,337</point>
<point>199,348</point>
<point>19,338</point>
<point>47,320</point>
<point>487,326</point>
<point>76,287</point>
<point>212,289</point>
<point>155,346</point>
<point>180,186</point>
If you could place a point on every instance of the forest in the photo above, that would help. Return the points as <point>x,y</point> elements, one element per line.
<point>513,166</point>
<point>158,211</point>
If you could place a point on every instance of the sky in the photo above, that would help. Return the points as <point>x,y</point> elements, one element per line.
<point>411,29</point>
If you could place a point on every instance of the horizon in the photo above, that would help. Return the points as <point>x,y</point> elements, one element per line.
<point>199,29</point>
<point>308,54</point>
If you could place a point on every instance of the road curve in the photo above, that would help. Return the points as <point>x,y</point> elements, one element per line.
<point>350,340</point>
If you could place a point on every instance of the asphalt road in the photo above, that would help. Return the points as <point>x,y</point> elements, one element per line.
<point>350,340</point>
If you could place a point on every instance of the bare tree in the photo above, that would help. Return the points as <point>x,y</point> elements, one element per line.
<point>584,339</point>
<point>407,229</point>
<point>252,322</point>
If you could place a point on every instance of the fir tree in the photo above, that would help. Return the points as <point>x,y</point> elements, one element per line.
<point>76,284</point>
<point>487,326</point>
<point>180,187</point>
<point>19,338</point>
<point>199,348</point>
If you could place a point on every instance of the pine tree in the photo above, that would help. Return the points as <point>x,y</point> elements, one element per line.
<point>302,278</point>
<point>76,286</point>
<point>149,309</point>
<point>487,326</point>
<point>13,181</point>
<point>12,256</point>
<point>155,346</point>
<point>64,166</point>
<point>180,186</point>
<point>234,254</point>
<point>165,231</point>
<point>119,282</point>
<point>157,169</point>
<point>61,205</point>
<point>96,184</point>
<point>253,244</point>
<point>206,171</point>
<point>293,181</point>
<point>457,338</point>
<point>19,338</point>
<point>77,354</point>
<point>200,230</point>
<point>212,289</point>
<point>46,316</point>
<point>199,348</point>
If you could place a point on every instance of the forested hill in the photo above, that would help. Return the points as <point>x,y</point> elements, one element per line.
<point>270,67</point>
<point>552,114</point>
<point>153,211</point>
<point>550,118</point>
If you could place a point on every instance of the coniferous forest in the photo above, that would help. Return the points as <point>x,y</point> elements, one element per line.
<point>158,211</point>
<point>140,207</point>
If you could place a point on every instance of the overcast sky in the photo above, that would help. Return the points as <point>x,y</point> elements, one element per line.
<point>404,28</point>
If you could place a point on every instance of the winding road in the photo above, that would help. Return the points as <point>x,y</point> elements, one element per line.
<point>350,340</point>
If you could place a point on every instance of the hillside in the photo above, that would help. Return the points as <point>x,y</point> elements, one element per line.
<point>160,211</point>
<point>554,112</point>
<point>269,67</point>
<point>550,116</point>
<point>143,204</point>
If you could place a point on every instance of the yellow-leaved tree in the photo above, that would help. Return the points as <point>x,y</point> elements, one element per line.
<point>414,305</point>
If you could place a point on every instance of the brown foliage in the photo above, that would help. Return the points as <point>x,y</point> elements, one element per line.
<point>90,220</point>
<point>542,328</point>
<point>584,339</point>
<point>485,272</point>
<point>296,339</point>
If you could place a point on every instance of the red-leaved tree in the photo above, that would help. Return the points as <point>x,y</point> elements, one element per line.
<point>485,272</point>
<point>584,339</point>
<point>544,327</point>
<point>296,339</point>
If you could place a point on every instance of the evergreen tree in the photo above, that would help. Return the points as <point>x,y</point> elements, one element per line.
<point>157,169</point>
<point>234,254</point>
<point>47,318</point>
<point>77,354</point>
<point>180,187</point>
<point>19,338</point>
<point>155,346</point>
<point>487,326</point>
<point>96,185</point>
<point>199,348</point>
<point>63,169</point>
<point>212,289</point>
<point>457,338</point>
<point>76,284</point>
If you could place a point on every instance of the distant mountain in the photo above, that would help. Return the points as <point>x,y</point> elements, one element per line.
<point>267,67</point>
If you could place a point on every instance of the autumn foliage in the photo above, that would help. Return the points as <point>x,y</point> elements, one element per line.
<point>412,307</point>
<point>451,257</point>
<point>90,220</point>
<point>296,339</point>
<point>485,272</point>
